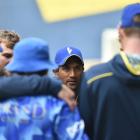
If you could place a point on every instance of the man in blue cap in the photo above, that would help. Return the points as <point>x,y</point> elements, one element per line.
<point>111,106</point>
<point>70,66</point>
<point>42,117</point>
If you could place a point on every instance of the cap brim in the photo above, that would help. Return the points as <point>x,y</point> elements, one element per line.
<point>67,58</point>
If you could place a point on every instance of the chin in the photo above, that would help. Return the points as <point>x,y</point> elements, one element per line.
<point>72,88</point>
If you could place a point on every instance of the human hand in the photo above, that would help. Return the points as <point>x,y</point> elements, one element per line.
<point>67,95</point>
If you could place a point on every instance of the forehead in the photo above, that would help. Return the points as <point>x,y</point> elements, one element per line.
<point>4,41</point>
<point>4,44</point>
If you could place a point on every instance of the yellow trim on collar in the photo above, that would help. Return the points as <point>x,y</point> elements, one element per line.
<point>131,69</point>
<point>99,77</point>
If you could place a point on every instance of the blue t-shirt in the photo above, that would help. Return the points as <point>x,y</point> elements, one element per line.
<point>39,118</point>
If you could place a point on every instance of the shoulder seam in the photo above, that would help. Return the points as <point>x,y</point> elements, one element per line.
<point>99,77</point>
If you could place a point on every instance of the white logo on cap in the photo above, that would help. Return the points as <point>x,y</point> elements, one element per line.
<point>69,50</point>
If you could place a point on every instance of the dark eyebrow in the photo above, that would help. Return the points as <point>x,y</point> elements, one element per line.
<point>7,55</point>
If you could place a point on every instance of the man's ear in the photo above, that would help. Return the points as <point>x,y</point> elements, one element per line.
<point>120,36</point>
<point>83,68</point>
<point>56,72</point>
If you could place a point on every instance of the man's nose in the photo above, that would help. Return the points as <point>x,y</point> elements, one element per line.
<point>72,73</point>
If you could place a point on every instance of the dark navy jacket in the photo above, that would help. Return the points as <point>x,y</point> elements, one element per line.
<point>33,85</point>
<point>110,101</point>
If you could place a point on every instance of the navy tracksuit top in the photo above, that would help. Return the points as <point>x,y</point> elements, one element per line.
<point>110,101</point>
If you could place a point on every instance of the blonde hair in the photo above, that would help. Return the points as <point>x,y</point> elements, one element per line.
<point>9,37</point>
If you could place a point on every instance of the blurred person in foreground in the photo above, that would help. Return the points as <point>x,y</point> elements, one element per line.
<point>42,117</point>
<point>111,106</point>
<point>7,41</point>
<point>70,67</point>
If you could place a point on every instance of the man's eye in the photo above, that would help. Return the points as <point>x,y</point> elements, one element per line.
<point>65,68</point>
<point>79,68</point>
<point>7,55</point>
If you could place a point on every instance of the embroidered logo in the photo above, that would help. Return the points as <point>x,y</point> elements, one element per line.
<point>69,50</point>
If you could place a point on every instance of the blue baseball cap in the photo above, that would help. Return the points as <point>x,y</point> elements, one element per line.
<point>128,14</point>
<point>30,55</point>
<point>65,53</point>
